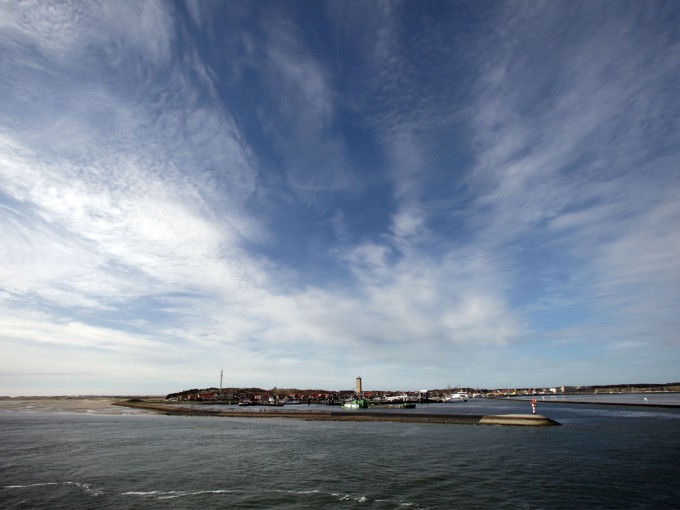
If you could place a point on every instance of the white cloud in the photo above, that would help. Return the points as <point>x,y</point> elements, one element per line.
<point>45,330</point>
<point>398,304</point>
<point>135,220</point>
<point>583,159</point>
<point>298,115</point>
<point>306,87</point>
<point>66,30</point>
<point>120,195</point>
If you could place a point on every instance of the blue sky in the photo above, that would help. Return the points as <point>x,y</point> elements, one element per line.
<point>428,193</point>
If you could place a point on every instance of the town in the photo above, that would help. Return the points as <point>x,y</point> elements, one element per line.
<point>290,396</point>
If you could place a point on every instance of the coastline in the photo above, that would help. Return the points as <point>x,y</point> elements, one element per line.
<point>347,415</point>
<point>114,406</point>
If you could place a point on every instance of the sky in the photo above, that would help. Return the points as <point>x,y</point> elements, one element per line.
<point>423,194</point>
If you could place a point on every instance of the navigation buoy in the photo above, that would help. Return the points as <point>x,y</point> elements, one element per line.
<point>533,405</point>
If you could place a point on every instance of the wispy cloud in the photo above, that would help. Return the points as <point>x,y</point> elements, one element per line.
<point>110,197</point>
<point>582,148</point>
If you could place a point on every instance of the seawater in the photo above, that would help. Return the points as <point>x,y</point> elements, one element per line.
<point>658,398</point>
<point>600,458</point>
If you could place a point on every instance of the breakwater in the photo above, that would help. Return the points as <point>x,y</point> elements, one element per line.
<point>347,415</point>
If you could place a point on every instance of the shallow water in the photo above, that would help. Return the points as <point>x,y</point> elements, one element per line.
<point>601,457</point>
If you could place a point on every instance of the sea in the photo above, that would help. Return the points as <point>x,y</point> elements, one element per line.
<point>601,457</point>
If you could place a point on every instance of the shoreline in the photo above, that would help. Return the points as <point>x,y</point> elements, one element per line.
<point>347,415</point>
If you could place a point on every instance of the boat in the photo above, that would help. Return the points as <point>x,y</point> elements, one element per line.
<point>272,402</point>
<point>244,403</point>
<point>456,397</point>
<point>355,404</point>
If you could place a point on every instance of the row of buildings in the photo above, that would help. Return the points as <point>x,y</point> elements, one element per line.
<point>275,395</point>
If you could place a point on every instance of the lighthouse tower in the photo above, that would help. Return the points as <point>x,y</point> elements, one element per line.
<point>358,389</point>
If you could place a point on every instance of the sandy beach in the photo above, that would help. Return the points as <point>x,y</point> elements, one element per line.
<point>79,405</point>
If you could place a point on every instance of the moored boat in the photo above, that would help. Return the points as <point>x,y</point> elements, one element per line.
<point>456,397</point>
<point>355,404</point>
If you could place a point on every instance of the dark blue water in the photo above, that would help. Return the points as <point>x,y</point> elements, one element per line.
<point>600,458</point>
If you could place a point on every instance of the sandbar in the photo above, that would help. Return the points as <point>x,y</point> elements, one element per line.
<point>70,405</point>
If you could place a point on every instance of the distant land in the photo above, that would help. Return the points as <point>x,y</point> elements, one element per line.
<point>234,393</point>
<point>316,395</point>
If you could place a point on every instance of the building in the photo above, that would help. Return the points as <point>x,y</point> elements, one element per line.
<point>358,390</point>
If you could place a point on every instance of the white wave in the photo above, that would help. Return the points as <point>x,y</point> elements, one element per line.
<point>85,487</point>
<point>397,503</point>
<point>173,494</point>
<point>291,491</point>
<point>350,497</point>
<point>30,485</point>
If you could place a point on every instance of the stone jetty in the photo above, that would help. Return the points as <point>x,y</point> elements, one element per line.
<point>531,420</point>
<point>347,415</point>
